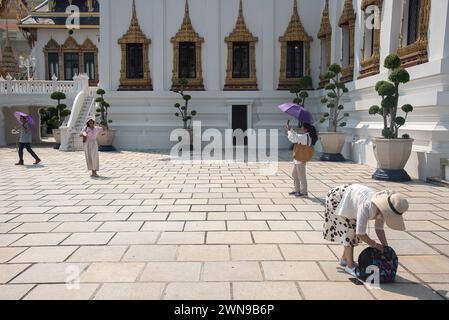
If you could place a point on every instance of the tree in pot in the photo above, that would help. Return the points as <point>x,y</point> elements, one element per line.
<point>59,114</point>
<point>184,113</point>
<point>106,138</point>
<point>333,141</point>
<point>392,153</point>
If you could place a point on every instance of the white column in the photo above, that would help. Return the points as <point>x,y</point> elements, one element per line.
<point>212,56</point>
<point>335,9</point>
<point>388,33</point>
<point>105,47</point>
<point>358,34</point>
<point>266,79</point>
<point>439,31</point>
<point>157,52</point>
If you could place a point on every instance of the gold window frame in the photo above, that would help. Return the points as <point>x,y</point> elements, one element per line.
<point>241,33</point>
<point>188,34</point>
<point>348,18</point>
<point>370,66</point>
<point>89,47</point>
<point>53,47</point>
<point>295,32</point>
<point>416,53</point>
<point>325,34</point>
<point>134,35</point>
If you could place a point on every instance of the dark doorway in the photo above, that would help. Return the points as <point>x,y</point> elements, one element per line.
<point>240,120</point>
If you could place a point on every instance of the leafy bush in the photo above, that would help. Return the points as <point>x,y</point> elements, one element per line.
<point>184,112</point>
<point>103,108</point>
<point>58,113</point>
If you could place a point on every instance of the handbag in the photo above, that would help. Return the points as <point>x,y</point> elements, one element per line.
<point>303,153</point>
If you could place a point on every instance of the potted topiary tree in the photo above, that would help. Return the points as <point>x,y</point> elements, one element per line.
<point>391,152</point>
<point>59,113</point>
<point>333,141</point>
<point>184,113</point>
<point>106,138</point>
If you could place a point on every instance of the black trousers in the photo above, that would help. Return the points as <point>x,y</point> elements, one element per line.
<point>28,147</point>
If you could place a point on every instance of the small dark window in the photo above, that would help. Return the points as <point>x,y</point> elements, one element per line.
<point>134,61</point>
<point>295,59</point>
<point>89,65</point>
<point>413,21</point>
<point>71,65</point>
<point>187,60</point>
<point>53,64</point>
<point>240,68</point>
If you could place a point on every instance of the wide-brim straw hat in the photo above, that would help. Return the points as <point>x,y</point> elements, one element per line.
<point>90,119</point>
<point>393,208</point>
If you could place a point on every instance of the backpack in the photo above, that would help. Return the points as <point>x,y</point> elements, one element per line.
<point>303,153</point>
<point>387,262</point>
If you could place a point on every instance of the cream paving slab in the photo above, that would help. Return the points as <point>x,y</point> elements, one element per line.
<point>41,239</point>
<point>14,291</point>
<point>205,226</point>
<point>296,271</point>
<point>105,217</point>
<point>148,217</point>
<point>257,252</point>
<point>441,288</point>
<point>130,238</point>
<point>7,254</point>
<point>92,238</point>
<point>62,292</point>
<point>120,226</point>
<point>426,264</point>
<point>203,253</point>
<point>150,253</point>
<point>198,291</point>
<point>334,291</point>
<point>182,238</point>
<point>265,291</point>
<point>50,273</point>
<point>232,271</point>
<point>9,271</point>
<point>307,252</point>
<point>430,238</point>
<point>405,292</point>
<point>275,237</point>
<point>98,254</point>
<point>77,227</point>
<point>138,209</point>
<point>33,218</point>
<point>81,217</point>
<point>229,237</point>
<point>44,254</point>
<point>187,216</point>
<point>171,272</point>
<point>163,226</point>
<point>7,227</point>
<point>68,209</point>
<point>111,272</point>
<point>226,216</point>
<point>130,291</point>
<point>289,225</point>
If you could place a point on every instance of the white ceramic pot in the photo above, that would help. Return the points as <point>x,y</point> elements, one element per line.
<point>332,142</point>
<point>57,135</point>
<point>392,154</point>
<point>106,138</point>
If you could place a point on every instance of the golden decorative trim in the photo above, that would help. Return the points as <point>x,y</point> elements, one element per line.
<point>135,36</point>
<point>325,34</point>
<point>71,46</point>
<point>371,65</point>
<point>416,53</point>
<point>295,32</point>
<point>241,33</point>
<point>187,34</point>
<point>347,19</point>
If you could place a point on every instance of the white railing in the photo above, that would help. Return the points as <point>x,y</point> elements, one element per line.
<point>46,87</point>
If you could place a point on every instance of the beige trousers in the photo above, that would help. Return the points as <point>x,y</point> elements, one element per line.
<point>300,178</point>
<point>91,152</point>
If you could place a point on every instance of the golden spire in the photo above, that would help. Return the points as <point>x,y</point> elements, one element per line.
<point>134,26</point>
<point>295,24</point>
<point>325,28</point>
<point>348,14</point>
<point>187,23</point>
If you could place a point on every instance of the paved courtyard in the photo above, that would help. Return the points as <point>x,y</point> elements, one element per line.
<point>154,229</point>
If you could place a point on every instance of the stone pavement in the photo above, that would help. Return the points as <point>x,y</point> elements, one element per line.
<point>154,229</point>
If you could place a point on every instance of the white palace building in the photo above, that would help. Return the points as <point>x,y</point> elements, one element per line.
<point>241,57</point>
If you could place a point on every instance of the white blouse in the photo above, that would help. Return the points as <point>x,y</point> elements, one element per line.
<point>356,205</point>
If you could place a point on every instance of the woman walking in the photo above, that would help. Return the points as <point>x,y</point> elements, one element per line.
<point>349,209</point>
<point>25,139</point>
<point>307,137</point>
<point>89,135</point>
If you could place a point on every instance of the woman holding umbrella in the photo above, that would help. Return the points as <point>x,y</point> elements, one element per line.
<point>26,137</point>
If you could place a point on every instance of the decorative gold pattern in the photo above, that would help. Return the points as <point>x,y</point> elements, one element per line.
<point>371,65</point>
<point>241,34</point>
<point>325,34</point>
<point>295,32</point>
<point>71,46</point>
<point>135,36</point>
<point>347,19</point>
<point>416,53</point>
<point>188,34</point>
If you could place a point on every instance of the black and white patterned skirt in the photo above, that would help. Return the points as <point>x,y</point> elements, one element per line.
<point>336,228</point>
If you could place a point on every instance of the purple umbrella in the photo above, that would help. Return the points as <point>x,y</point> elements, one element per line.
<point>298,112</point>
<point>29,119</point>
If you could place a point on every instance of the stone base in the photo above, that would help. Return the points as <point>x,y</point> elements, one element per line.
<point>106,149</point>
<point>56,147</point>
<point>332,157</point>
<point>391,175</point>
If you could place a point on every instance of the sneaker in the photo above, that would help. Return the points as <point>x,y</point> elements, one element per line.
<point>352,271</point>
<point>343,263</point>
<point>19,164</point>
<point>293,193</point>
<point>298,194</point>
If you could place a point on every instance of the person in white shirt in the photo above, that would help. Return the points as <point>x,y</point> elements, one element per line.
<point>349,209</point>
<point>308,136</point>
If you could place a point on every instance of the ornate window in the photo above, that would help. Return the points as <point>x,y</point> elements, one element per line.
<point>53,64</point>
<point>71,65</point>
<point>135,69</point>
<point>325,36</point>
<point>295,43</point>
<point>370,61</point>
<point>241,70</point>
<point>90,61</point>
<point>347,25</point>
<point>413,37</point>
<point>187,46</point>
<point>90,65</point>
<point>53,60</point>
